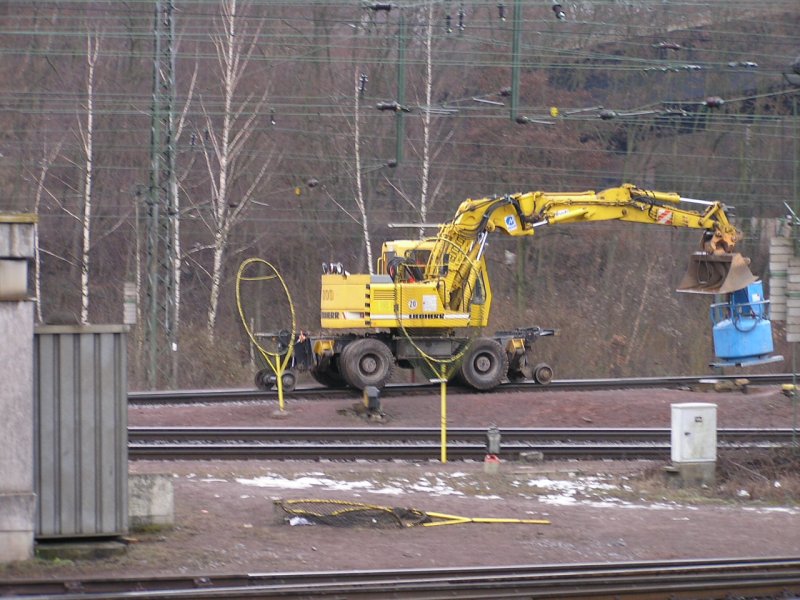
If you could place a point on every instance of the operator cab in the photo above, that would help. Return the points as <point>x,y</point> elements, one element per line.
<point>406,261</point>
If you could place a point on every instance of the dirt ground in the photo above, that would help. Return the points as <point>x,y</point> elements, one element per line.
<point>598,511</point>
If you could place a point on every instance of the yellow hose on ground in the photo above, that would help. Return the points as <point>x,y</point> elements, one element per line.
<point>456,520</point>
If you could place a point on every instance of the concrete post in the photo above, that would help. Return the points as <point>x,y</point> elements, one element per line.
<point>17,498</point>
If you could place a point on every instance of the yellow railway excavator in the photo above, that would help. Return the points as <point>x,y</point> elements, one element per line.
<point>433,297</point>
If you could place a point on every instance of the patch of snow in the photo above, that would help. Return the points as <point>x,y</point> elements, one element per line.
<point>578,491</point>
<point>772,509</point>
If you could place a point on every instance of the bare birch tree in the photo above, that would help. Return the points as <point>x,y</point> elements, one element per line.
<point>223,144</point>
<point>87,143</point>
<point>176,230</point>
<point>44,167</point>
<point>362,207</point>
<point>428,156</point>
<point>426,122</point>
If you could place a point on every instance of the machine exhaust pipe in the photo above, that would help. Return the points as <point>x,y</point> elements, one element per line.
<point>716,274</point>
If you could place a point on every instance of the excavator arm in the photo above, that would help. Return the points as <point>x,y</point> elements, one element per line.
<point>458,248</point>
<point>632,204</point>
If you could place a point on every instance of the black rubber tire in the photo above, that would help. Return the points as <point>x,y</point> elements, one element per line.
<point>367,362</point>
<point>328,378</point>
<point>484,365</point>
<point>456,378</point>
<point>516,376</point>
<point>543,373</point>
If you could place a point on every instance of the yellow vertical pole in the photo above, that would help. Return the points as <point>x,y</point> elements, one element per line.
<point>279,372</point>
<point>280,369</point>
<point>443,424</point>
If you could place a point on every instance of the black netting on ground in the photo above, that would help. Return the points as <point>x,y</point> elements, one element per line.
<point>352,514</point>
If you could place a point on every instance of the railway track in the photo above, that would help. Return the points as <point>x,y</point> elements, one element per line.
<point>244,395</point>
<point>419,443</point>
<point>696,579</point>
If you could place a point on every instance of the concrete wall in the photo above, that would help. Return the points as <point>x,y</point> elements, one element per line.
<point>17,500</point>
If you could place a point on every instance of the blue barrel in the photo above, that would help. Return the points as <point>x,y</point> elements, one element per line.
<point>742,330</point>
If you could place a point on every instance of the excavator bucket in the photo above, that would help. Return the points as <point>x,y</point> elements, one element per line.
<point>716,274</point>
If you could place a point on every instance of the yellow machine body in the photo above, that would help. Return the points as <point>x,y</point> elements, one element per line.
<point>437,290</point>
<point>398,300</point>
<point>441,282</point>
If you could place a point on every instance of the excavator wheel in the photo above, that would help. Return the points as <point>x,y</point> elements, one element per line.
<point>516,376</point>
<point>484,365</point>
<point>328,377</point>
<point>456,378</point>
<point>543,373</point>
<point>367,362</point>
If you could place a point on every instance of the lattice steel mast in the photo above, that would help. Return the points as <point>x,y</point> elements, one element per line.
<point>160,321</point>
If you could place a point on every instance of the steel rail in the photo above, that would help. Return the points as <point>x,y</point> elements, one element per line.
<point>703,578</point>
<point>251,395</point>
<point>184,443</point>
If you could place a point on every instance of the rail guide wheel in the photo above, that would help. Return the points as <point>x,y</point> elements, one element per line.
<point>267,380</point>
<point>543,373</point>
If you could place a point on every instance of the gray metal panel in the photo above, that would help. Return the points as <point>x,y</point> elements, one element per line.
<point>16,236</point>
<point>45,428</point>
<point>81,431</point>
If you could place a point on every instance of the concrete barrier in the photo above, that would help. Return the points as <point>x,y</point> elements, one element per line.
<point>151,501</point>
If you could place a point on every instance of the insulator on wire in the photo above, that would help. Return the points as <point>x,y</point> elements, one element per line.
<point>448,24</point>
<point>461,15</point>
<point>272,116</point>
<point>393,106</point>
<point>714,102</point>
<point>501,11</point>
<point>559,11</point>
<point>376,6</point>
<point>668,45</point>
<point>362,84</point>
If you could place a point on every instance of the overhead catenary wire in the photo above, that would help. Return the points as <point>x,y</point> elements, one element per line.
<point>482,20</point>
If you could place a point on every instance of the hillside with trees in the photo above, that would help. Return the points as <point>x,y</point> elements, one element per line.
<point>300,131</point>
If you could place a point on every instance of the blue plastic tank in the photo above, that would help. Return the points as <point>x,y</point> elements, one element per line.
<point>742,330</point>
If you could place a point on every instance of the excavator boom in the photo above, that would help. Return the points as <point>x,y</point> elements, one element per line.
<point>459,244</point>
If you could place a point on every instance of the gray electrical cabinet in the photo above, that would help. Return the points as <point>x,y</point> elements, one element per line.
<point>80,430</point>
<point>694,432</point>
